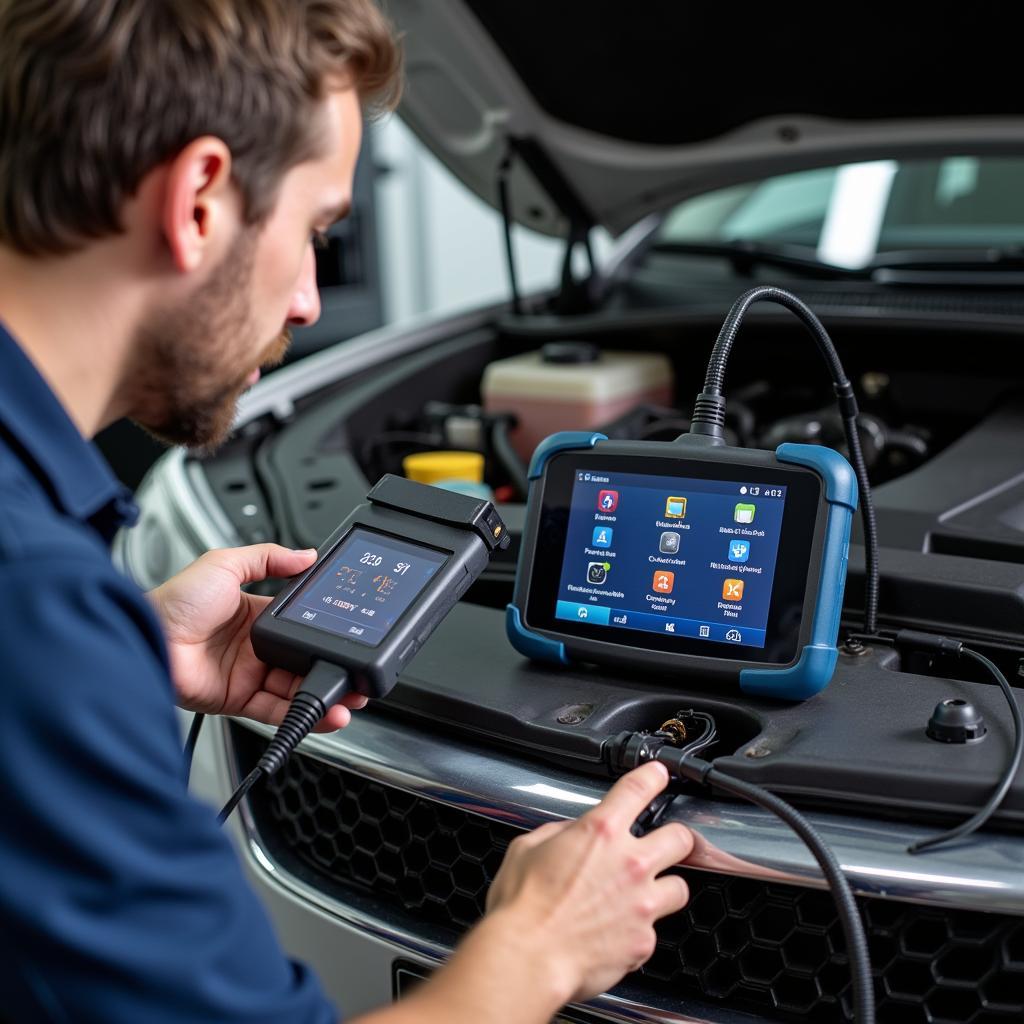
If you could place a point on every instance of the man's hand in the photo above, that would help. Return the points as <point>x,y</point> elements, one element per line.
<point>588,892</point>
<point>570,912</point>
<point>207,618</point>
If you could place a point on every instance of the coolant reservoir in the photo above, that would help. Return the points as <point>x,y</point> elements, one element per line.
<point>572,386</point>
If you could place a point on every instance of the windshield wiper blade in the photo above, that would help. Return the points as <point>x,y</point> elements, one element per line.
<point>987,258</point>
<point>745,256</point>
<point>946,268</point>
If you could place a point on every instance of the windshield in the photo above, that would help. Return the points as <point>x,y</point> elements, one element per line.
<point>847,215</point>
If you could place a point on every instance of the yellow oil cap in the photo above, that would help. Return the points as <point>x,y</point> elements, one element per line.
<point>429,467</point>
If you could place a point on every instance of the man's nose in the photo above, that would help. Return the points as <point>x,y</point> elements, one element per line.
<point>305,307</point>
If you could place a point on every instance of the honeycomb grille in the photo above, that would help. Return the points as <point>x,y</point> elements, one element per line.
<point>743,944</point>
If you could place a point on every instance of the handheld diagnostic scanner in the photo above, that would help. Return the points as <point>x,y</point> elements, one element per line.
<point>382,583</point>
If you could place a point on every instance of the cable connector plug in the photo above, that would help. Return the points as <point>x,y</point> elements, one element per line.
<point>846,400</point>
<point>686,734</point>
<point>927,643</point>
<point>709,416</point>
<point>327,683</point>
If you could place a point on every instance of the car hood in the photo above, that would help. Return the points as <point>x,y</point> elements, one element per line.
<point>604,112</point>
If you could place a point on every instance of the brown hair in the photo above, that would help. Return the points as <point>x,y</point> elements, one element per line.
<point>96,93</point>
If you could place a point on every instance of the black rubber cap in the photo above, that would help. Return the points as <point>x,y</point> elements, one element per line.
<point>956,721</point>
<point>570,352</point>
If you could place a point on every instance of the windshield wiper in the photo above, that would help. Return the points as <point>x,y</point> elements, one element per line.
<point>929,268</point>
<point>745,256</point>
<point>972,268</point>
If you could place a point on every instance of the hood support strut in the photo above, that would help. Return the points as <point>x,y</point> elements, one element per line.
<point>574,296</point>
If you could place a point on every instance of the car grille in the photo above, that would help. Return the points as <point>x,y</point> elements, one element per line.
<point>739,943</point>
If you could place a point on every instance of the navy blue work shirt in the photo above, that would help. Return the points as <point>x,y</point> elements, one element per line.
<point>120,898</point>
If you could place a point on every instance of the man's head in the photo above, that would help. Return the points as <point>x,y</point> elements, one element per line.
<point>206,142</point>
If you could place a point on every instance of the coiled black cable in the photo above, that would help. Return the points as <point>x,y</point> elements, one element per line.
<point>322,688</point>
<point>302,715</point>
<point>709,415</point>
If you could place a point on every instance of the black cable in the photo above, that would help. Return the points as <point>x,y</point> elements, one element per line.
<point>190,743</point>
<point>322,688</point>
<point>626,750</point>
<point>853,928</point>
<point>976,821</point>
<point>709,414</point>
<point>930,643</point>
<point>506,454</point>
<point>236,798</point>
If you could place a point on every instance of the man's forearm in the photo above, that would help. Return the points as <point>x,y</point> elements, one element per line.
<point>499,974</point>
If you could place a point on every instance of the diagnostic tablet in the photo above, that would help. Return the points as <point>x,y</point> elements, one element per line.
<point>692,558</point>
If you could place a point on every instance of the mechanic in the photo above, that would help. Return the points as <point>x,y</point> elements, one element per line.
<point>164,166</point>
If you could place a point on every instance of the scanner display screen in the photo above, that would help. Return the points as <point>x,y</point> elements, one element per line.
<point>677,556</point>
<point>364,587</point>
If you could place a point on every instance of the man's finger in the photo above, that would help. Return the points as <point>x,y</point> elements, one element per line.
<point>668,845</point>
<point>631,794</point>
<point>336,718</point>
<point>541,834</point>
<point>672,895</point>
<point>258,561</point>
<point>265,707</point>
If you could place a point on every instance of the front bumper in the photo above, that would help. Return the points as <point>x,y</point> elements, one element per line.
<point>955,907</point>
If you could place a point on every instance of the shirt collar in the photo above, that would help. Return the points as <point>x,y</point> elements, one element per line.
<point>70,467</point>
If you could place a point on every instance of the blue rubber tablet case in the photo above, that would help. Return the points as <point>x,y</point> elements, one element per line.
<point>719,566</point>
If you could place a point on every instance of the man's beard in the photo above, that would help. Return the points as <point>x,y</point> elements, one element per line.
<point>186,375</point>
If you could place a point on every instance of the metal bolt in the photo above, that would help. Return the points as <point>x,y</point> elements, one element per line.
<point>575,713</point>
<point>855,649</point>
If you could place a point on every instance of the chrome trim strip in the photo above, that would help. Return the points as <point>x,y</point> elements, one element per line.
<point>732,838</point>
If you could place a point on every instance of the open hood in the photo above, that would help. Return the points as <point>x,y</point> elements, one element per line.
<point>609,111</point>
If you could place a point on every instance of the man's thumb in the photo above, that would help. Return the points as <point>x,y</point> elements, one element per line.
<point>258,561</point>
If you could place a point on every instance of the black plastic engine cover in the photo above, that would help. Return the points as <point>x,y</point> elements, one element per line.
<point>860,744</point>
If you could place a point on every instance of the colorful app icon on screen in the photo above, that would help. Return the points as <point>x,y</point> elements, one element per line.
<point>744,513</point>
<point>597,572</point>
<point>607,501</point>
<point>663,582</point>
<point>602,537</point>
<point>732,590</point>
<point>675,508</point>
<point>739,550</point>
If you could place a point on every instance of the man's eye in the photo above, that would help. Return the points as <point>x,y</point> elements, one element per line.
<point>320,240</point>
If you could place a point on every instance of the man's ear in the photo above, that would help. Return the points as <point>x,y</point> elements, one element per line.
<point>201,203</point>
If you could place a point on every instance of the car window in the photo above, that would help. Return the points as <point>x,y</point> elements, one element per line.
<point>850,213</point>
